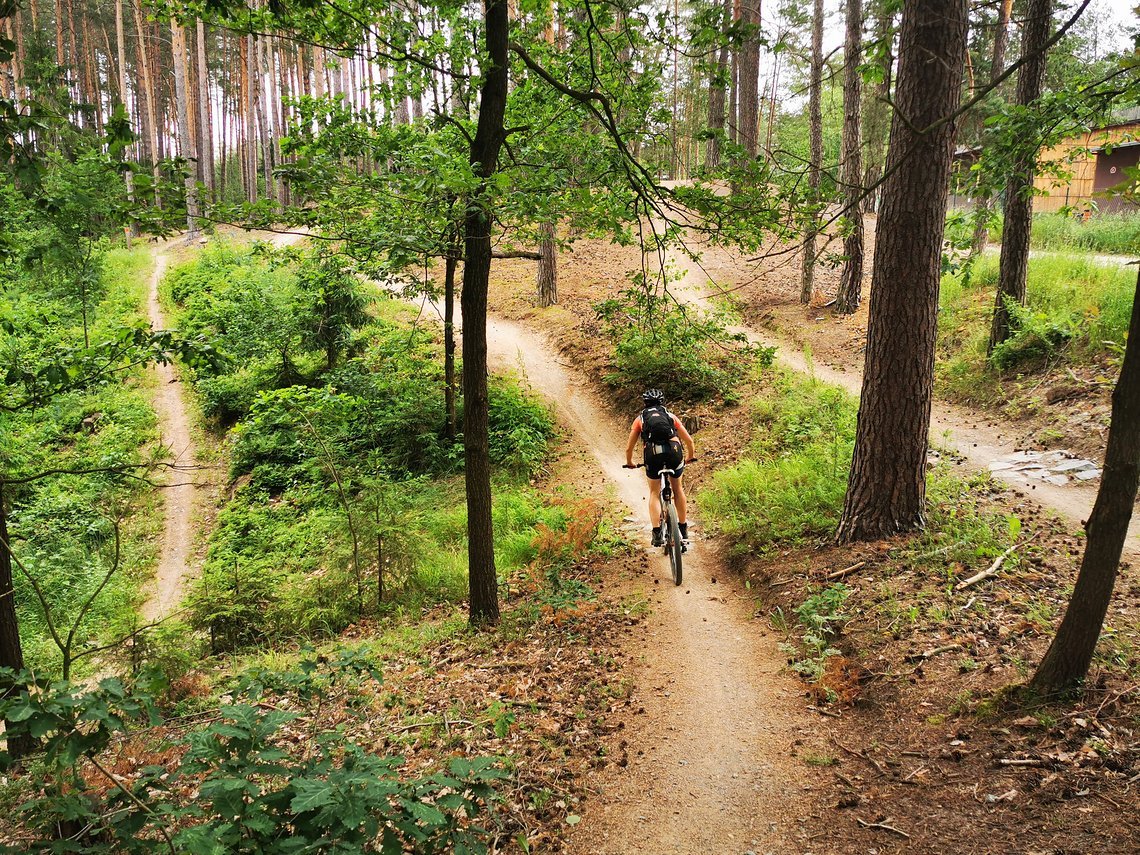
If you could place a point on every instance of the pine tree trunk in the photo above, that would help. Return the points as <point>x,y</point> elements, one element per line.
<point>185,141</point>
<point>877,111</point>
<point>1018,218</point>
<point>450,262</point>
<point>887,488</point>
<point>121,51</point>
<point>717,97</point>
<point>264,113</point>
<point>249,81</point>
<point>11,651</point>
<point>547,266</point>
<point>983,205</point>
<point>815,113</point>
<point>148,100</point>
<point>749,86</point>
<point>1068,658</point>
<point>851,280</point>
<point>205,120</point>
<point>476,276</point>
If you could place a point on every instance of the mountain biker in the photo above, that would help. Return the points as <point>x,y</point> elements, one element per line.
<point>662,434</point>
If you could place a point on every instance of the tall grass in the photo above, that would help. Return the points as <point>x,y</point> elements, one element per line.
<point>1076,308</point>
<point>1105,233</point>
<point>789,488</point>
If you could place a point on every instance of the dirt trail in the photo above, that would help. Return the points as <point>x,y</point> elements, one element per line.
<point>176,565</point>
<point>951,429</point>
<point>180,496</point>
<point>710,769</point>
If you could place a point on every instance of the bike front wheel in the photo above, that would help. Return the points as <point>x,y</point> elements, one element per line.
<point>673,545</point>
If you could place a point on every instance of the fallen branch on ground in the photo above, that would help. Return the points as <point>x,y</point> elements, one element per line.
<point>847,571</point>
<point>993,569</point>
<point>884,825</point>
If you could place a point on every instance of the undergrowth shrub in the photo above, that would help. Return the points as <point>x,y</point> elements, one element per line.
<point>249,781</point>
<point>658,343</point>
<point>789,487</point>
<point>1078,310</point>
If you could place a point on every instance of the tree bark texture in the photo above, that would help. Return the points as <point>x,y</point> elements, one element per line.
<point>121,52</point>
<point>11,651</point>
<point>186,143</point>
<point>887,488</point>
<point>851,279</point>
<point>717,98</point>
<point>815,132</point>
<point>1067,660</point>
<point>749,67</point>
<point>205,125</point>
<point>1018,214</point>
<point>485,147</point>
<point>547,266</point>
<point>450,263</point>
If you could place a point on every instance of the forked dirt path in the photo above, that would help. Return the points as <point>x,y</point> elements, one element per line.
<point>950,428</point>
<point>710,766</point>
<point>180,492</point>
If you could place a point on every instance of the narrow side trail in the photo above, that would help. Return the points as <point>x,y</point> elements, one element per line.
<point>180,493</point>
<point>710,768</point>
<point>950,427</point>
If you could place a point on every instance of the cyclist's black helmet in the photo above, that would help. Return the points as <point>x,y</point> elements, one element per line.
<point>653,397</point>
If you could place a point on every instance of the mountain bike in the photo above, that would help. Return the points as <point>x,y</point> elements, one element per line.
<point>674,545</point>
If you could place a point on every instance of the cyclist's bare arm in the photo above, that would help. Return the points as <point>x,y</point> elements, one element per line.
<point>687,439</point>
<point>634,436</point>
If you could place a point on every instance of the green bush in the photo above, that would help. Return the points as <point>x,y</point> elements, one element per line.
<point>660,344</point>
<point>789,488</point>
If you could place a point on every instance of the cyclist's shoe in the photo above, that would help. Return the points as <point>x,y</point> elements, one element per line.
<point>658,540</point>
<point>684,545</point>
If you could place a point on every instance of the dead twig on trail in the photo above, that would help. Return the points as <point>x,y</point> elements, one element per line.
<point>1029,761</point>
<point>863,754</point>
<point>994,568</point>
<point>930,654</point>
<point>846,571</point>
<point>885,825</point>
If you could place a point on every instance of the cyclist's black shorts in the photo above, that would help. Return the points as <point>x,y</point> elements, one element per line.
<point>660,456</point>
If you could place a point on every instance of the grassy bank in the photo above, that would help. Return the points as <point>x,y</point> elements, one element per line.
<point>1077,313</point>
<point>1100,233</point>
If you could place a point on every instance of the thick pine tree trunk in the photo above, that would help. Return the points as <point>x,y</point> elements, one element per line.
<point>205,123</point>
<point>1018,217</point>
<point>815,131</point>
<point>264,115</point>
<point>547,266</point>
<point>1068,658</point>
<point>851,280</point>
<point>185,141</point>
<point>250,129</point>
<point>984,204</point>
<point>11,651</point>
<point>489,136</point>
<point>887,488</point>
<point>749,66</point>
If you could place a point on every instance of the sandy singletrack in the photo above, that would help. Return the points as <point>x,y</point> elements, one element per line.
<point>177,546</point>
<point>710,757</point>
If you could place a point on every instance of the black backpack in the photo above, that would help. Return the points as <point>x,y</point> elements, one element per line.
<point>657,425</point>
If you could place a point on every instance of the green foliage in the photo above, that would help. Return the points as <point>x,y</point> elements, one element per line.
<point>242,783</point>
<point>659,343</point>
<point>822,617</point>
<point>789,488</point>
<point>1078,310</point>
<point>1100,233</point>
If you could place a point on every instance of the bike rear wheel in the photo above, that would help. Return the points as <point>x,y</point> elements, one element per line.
<point>673,545</point>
